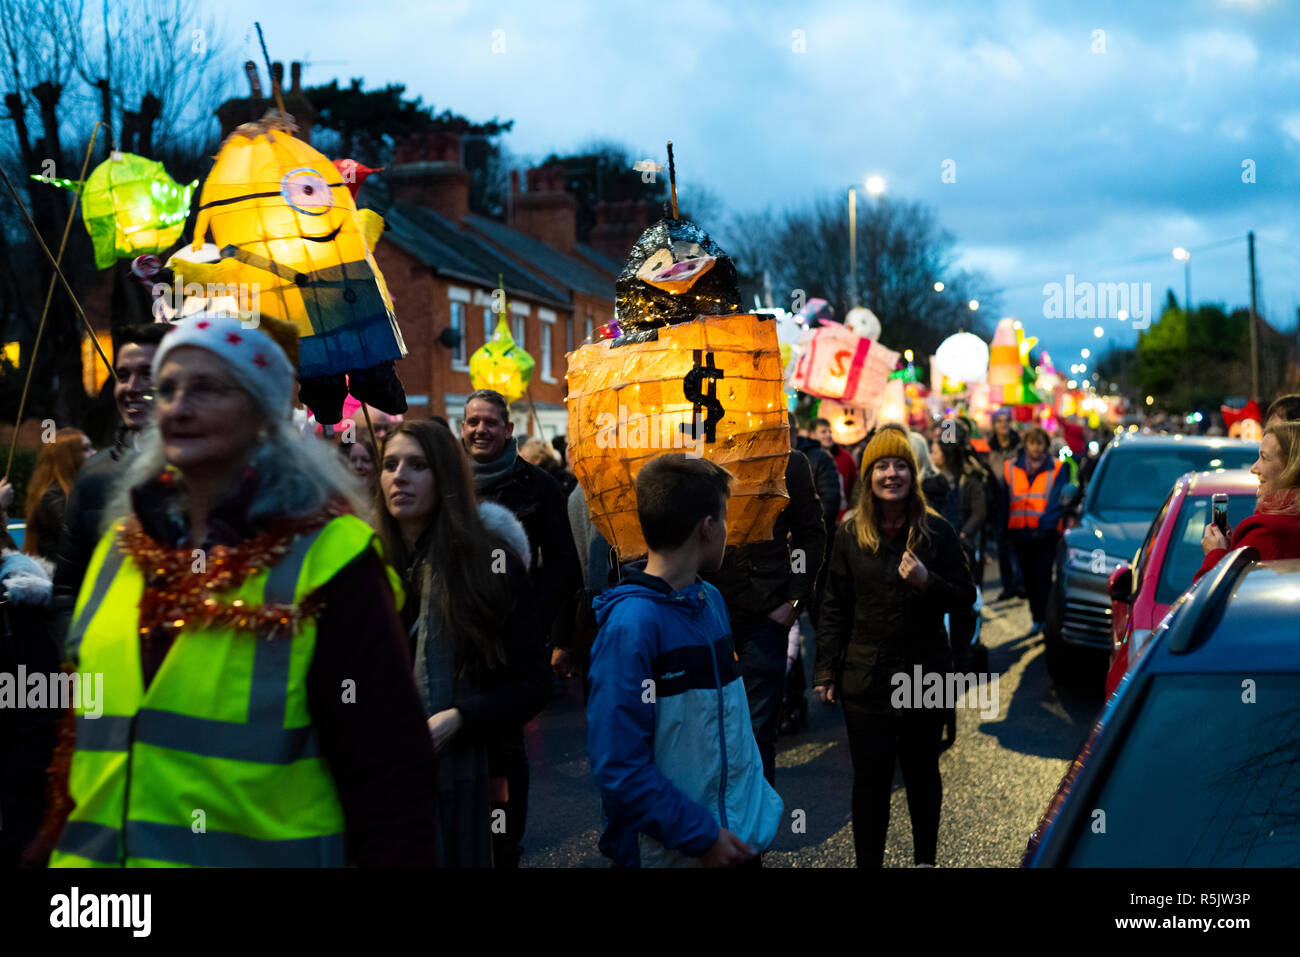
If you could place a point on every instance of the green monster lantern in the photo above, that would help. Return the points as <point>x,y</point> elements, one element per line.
<point>501,365</point>
<point>131,206</point>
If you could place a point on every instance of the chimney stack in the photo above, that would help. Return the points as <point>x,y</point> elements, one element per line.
<point>545,212</point>
<point>427,171</point>
<point>618,227</point>
<point>232,113</point>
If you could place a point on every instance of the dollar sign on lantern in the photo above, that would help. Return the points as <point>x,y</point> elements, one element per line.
<point>701,388</point>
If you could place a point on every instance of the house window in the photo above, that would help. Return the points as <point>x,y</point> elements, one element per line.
<point>518,328</point>
<point>547,329</point>
<point>458,327</point>
<point>568,334</point>
<point>489,323</point>
<point>591,328</point>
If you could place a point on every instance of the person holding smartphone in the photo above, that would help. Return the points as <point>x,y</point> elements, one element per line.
<point>1274,528</point>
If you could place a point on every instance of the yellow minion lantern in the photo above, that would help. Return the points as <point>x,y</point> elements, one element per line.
<point>286,225</point>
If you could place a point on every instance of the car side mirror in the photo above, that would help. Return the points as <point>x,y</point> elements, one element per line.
<point>1120,584</point>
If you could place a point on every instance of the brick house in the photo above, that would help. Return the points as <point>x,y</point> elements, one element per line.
<point>442,263</point>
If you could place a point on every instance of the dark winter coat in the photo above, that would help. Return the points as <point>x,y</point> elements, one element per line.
<point>52,507</point>
<point>874,624</point>
<point>537,501</point>
<point>965,507</point>
<point>27,735</point>
<point>826,477</point>
<point>494,703</point>
<point>755,578</point>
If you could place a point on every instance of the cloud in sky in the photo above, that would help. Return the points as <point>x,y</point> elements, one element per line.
<point>1068,159</point>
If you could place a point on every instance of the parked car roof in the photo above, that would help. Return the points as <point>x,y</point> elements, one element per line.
<point>1257,628</point>
<point>1216,481</point>
<point>1126,439</point>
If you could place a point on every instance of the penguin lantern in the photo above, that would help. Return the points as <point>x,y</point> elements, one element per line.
<point>286,225</point>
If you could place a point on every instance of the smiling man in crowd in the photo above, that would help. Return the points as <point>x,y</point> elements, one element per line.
<point>132,392</point>
<point>501,476</point>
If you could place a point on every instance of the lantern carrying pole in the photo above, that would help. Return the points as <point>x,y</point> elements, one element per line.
<point>672,176</point>
<point>373,445</point>
<point>536,418</point>
<point>49,293</point>
<point>275,87</point>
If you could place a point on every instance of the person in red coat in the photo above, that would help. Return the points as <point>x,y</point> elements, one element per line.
<point>1274,528</point>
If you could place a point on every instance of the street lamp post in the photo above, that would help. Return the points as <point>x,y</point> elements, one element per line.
<point>1186,258</point>
<point>875,186</point>
<point>853,247</point>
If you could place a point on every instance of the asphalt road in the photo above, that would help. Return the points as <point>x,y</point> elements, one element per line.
<point>997,777</point>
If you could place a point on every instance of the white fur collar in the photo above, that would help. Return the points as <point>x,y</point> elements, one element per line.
<point>28,579</point>
<point>501,522</point>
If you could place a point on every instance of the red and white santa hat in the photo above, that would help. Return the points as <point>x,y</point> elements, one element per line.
<point>256,361</point>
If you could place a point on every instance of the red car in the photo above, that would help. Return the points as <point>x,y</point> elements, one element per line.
<point>1141,592</point>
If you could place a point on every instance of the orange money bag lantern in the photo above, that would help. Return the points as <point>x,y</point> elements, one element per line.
<point>710,388</point>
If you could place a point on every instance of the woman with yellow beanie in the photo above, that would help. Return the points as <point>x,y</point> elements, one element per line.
<point>896,568</point>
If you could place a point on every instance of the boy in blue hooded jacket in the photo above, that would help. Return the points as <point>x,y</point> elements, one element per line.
<point>668,731</point>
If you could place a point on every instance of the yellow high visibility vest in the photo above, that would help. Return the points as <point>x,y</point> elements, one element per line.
<point>217,763</point>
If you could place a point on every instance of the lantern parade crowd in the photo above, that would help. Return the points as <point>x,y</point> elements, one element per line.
<point>328,626</point>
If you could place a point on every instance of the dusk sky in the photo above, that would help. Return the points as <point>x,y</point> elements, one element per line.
<point>1075,152</point>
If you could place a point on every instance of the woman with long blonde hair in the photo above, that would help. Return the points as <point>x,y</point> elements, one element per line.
<point>1274,528</point>
<point>49,488</point>
<point>896,568</point>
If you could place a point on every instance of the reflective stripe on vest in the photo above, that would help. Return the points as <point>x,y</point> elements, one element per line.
<point>108,570</point>
<point>1028,499</point>
<point>145,765</point>
<point>172,842</point>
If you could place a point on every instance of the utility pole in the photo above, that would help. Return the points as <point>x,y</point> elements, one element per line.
<point>1254,340</point>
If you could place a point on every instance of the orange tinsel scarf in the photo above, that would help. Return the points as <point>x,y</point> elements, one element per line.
<point>181,584</point>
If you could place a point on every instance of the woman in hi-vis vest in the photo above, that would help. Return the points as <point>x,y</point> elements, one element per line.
<point>1032,483</point>
<point>257,704</point>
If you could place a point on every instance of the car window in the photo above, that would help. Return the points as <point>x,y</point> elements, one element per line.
<point>1202,779</point>
<point>1139,479</point>
<point>1183,556</point>
<point>1140,562</point>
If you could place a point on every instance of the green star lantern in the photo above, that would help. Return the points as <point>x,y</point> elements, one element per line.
<point>131,206</point>
<point>501,365</point>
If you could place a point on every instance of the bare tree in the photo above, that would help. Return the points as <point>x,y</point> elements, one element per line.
<point>147,69</point>
<point>901,252</point>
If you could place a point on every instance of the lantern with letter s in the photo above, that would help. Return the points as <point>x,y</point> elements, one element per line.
<point>710,388</point>
<point>836,363</point>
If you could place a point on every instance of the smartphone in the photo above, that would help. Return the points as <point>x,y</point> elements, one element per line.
<point>1219,512</point>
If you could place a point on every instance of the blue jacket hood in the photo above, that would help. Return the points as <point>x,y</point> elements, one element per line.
<point>637,584</point>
